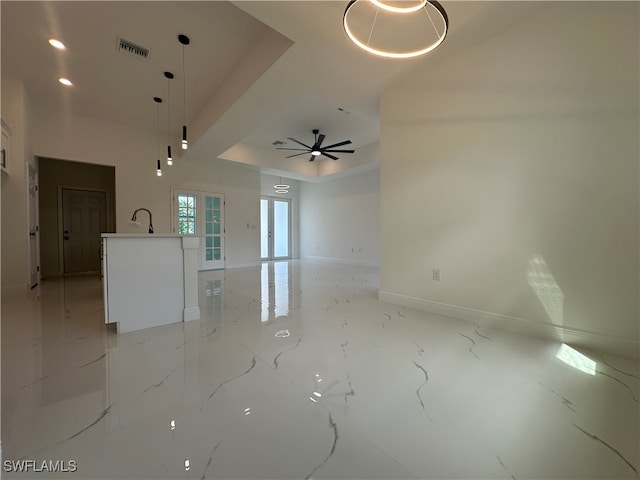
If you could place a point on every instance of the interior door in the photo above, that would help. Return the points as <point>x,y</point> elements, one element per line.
<point>34,234</point>
<point>84,218</point>
<point>275,228</point>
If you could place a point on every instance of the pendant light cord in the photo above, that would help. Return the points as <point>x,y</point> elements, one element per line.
<point>184,89</point>
<point>158,125</point>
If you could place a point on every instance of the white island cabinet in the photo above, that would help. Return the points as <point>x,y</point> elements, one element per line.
<point>149,280</point>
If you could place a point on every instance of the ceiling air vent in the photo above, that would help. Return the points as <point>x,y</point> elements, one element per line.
<point>129,47</point>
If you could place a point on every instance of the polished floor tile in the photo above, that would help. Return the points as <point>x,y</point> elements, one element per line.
<point>296,371</point>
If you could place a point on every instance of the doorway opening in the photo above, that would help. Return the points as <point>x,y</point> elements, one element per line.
<point>84,216</point>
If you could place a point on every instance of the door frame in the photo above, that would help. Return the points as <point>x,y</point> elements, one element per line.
<point>271,200</point>
<point>108,214</point>
<point>35,226</point>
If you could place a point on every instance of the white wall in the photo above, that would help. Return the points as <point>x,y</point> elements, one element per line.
<point>340,219</point>
<point>266,189</point>
<point>15,227</point>
<point>133,153</point>
<point>513,167</point>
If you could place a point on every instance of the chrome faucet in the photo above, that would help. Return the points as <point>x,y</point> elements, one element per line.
<point>133,218</point>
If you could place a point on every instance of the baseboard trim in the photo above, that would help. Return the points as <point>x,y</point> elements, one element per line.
<point>569,335</point>
<point>344,261</point>
<point>192,313</point>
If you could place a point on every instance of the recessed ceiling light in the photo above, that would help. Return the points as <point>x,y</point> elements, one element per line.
<point>65,81</point>
<point>57,44</point>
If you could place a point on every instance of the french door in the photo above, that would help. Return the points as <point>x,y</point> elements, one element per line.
<point>275,228</point>
<point>202,214</point>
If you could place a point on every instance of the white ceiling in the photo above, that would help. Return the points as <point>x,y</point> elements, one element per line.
<point>256,71</point>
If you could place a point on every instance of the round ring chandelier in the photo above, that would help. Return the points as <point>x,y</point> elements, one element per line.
<point>396,29</point>
<point>281,187</point>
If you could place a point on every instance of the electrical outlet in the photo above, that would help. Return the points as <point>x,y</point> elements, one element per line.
<point>133,223</point>
<point>436,274</point>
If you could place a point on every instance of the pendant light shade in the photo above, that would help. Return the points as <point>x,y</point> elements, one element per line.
<point>184,41</point>
<point>169,77</point>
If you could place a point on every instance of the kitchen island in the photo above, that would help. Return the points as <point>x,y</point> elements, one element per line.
<point>149,280</point>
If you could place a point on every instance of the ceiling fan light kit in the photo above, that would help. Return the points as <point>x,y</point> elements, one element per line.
<point>317,149</point>
<point>385,29</point>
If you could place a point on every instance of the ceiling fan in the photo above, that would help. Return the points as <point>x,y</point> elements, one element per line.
<point>317,149</point>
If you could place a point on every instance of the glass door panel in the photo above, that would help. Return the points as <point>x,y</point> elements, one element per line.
<point>186,214</point>
<point>213,238</point>
<point>264,228</point>
<point>275,229</point>
<point>280,229</point>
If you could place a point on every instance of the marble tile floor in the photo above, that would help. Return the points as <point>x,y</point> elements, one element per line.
<point>296,371</point>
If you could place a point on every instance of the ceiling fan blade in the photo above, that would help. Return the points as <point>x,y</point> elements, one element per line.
<point>319,141</point>
<point>296,155</point>
<point>339,144</point>
<point>338,151</point>
<point>301,149</point>
<point>313,157</point>
<point>329,155</point>
<point>299,142</point>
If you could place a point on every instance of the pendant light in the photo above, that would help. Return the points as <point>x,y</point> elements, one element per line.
<point>281,187</point>
<point>184,40</point>
<point>169,77</point>
<point>158,101</point>
<point>392,31</point>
